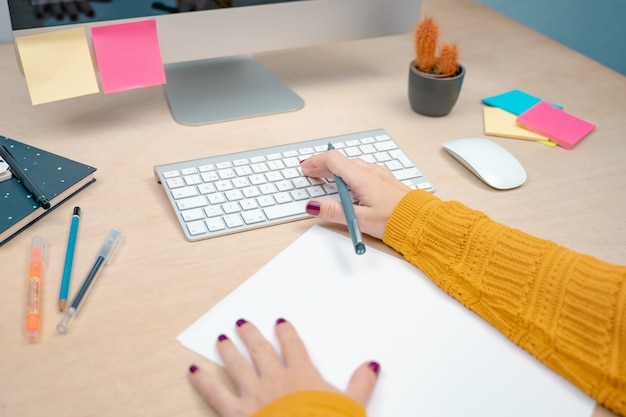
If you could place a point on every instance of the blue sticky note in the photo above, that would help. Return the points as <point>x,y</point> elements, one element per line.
<point>514,101</point>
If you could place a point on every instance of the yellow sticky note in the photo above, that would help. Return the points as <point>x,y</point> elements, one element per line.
<point>498,122</point>
<point>57,65</point>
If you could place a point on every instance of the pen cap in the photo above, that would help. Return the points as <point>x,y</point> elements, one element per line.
<point>110,245</point>
<point>38,251</point>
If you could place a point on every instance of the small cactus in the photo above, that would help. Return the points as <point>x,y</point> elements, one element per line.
<point>447,64</point>
<point>426,38</point>
<point>426,59</point>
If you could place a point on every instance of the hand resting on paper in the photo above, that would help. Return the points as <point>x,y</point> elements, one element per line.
<point>272,377</point>
<point>376,189</point>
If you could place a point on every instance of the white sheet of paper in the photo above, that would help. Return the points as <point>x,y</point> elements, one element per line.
<point>436,357</point>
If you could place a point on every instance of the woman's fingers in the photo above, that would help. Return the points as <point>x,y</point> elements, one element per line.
<point>214,392</point>
<point>292,347</point>
<point>237,366</point>
<point>261,351</point>
<point>363,382</point>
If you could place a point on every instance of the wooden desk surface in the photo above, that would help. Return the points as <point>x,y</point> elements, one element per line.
<point>121,356</point>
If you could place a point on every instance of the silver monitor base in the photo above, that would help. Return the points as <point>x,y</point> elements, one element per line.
<point>221,89</point>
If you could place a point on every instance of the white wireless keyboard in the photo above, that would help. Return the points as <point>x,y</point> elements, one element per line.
<point>225,194</point>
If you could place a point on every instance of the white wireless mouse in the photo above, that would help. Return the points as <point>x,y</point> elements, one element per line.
<point>490,162</point>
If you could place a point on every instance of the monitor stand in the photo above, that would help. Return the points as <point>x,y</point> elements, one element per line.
<point>221,89</point>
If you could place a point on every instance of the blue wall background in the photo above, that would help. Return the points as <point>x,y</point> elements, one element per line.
<point>595,28</point>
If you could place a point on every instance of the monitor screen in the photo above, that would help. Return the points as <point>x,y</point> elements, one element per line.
<point>207,45</point>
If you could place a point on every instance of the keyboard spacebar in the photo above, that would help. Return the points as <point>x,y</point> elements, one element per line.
<point>285,210</point>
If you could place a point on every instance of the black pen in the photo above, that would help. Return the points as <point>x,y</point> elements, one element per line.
<point>24,179</point>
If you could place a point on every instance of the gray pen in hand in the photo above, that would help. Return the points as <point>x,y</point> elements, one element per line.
<point>348,210</point>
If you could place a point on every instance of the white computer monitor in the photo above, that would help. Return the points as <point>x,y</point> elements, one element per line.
<point>211,74</point>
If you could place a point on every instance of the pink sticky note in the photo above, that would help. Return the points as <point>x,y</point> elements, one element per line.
<point>556,124</point>
<point>128,55</point>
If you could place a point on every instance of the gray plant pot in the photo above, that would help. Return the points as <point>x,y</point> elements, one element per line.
<point>432,96</point>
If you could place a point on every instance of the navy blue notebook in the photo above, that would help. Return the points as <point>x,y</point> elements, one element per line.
<point>57,177</point>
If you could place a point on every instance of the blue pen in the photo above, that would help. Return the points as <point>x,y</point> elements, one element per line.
<point>69,259</point>
<point>348,210</point>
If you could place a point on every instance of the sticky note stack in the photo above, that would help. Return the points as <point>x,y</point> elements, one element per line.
<point>561,127</point>
<point>519,115</point>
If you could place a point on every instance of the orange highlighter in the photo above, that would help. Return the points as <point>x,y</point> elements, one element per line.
<point>35,280</point>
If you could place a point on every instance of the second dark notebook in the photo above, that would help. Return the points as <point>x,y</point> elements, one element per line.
<point>59,179</point>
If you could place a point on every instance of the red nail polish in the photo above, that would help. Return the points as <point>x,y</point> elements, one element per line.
<point>193,369</point>
<point>280,320</point>
<point>313,208</point>
<point>241,322</point>
<point>374,366</point>
<point>222,337</point>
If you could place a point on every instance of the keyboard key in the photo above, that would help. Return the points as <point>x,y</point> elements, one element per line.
<point>196,228</point>
<point>233,195</point>
<point>253,216</point>
<point>188,171</point>
<point>316,191</point>
<point>226,174</point>
<point>223,165</point>
<point>233,220</point>
<point>206,168</point>
<point>206,188</point>
<point>299,195</point>
<point>266,200</point>
<point>184,192</point>
<point>191,215</point>
<point>243,171</point>
<point>213,211</point>
<point>290,173</point>
<point>210,176</point>
<point>282,198</point>
<point>250,192</point>
<point>248,204</point>
<point>284,210</point>
<point>193,179</point>
<point>284,186</point>
<point>217,198</point>
<point>405,174</point>
<point>230,208</point>
<point>215,224</point>
<point>300,182</point>
<point>175,182</point>
<point>191,202</point>
<point>171,174</point>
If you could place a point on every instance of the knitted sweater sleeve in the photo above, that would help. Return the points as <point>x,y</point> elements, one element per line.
<point>566,309</point>
<point>312,404</point>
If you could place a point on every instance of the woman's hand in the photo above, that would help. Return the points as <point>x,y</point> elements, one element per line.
<point>376,189</point>
<point>271,377</point>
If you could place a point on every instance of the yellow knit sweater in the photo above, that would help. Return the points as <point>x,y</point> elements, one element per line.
<point>312,404</point>
<point>566,309</point>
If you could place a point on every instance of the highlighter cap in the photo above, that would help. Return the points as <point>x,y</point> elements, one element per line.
<point>38,250</point>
